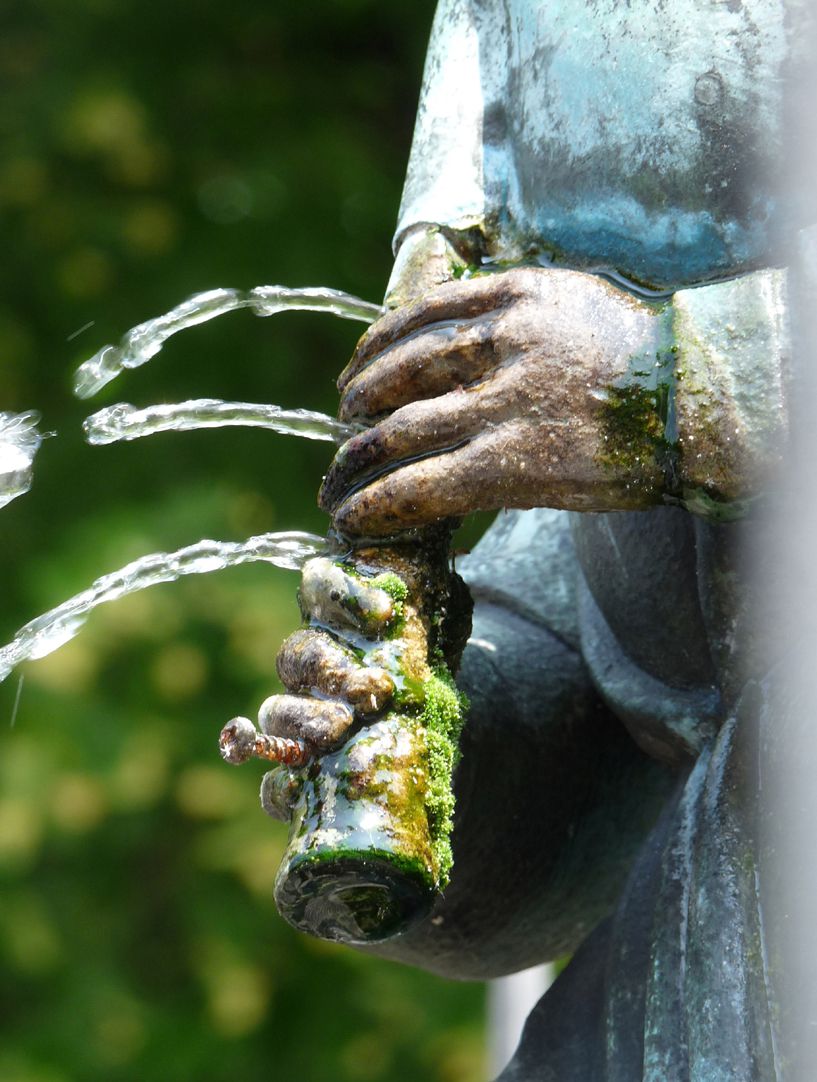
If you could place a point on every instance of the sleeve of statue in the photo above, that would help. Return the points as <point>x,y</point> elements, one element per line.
<point>465,68</point>
<point>732,383</point>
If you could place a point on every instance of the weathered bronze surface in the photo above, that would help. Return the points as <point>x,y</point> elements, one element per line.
<point>593,326</point>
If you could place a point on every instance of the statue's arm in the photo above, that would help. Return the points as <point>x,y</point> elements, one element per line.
<point>540,387</point>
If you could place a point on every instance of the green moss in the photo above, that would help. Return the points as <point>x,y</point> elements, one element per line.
<point>443,716</point>
<point>392,585</point>
<point>638,422</point>
<point>632,426</point>
<point>391,858</point>
<point>463,270</point>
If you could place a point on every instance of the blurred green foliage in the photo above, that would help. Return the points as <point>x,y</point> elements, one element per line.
<point>148,152</point>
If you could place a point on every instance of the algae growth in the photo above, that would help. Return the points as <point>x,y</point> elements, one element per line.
<point>397,590</point>
<point>638,424</point>
<point>443,716</point>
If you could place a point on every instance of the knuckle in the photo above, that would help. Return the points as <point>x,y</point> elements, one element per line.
<point>368,690</point>
<point>352,404</point>
<point>301,658</point>
<point>314,659</point>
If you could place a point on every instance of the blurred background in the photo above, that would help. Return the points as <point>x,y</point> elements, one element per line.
<point>149,152</point>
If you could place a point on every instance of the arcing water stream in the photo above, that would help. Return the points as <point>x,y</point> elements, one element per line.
<point>54,628</point>
<point>19,441</point>
<point>144,341</point>
<point>126,422</point>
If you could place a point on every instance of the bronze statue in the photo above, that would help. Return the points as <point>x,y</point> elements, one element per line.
<point>592,331</point>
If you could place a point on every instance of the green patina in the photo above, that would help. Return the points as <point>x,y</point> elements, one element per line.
<point>415,789</point>
<point>406,830</point>
<point>633,428</point>
<point>442,716</point>
<point>638,421</point>
<point>391,585</point>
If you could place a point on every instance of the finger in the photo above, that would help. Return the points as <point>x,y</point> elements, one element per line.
<point>421,428</point>
<point>422,366</point>
<point>492,470</point>
<point>312,660</point>
<point>368,690</point>
<point>320,723</point>
<point>329,595</point>
<point>450,301</point>
<point>279,792</point>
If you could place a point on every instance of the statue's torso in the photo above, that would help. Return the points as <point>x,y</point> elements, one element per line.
<point>660,609</point>
<point>666,613</point>
<point>641,137</point>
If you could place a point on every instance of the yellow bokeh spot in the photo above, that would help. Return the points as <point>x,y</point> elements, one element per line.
<point>256,864</point>
<point>30,937</point>
<point>140,777</point>
<point>150,228</point>
<point>104,120</point>
<point>119,1034</point>
<point>21,830</point>
<point>457,1056</point>
<point>205,792</point>
<point>113,125</point>
<point>366,1056</point>
<point>84,272</point>
<point>71,669</point>
<point>237,998</point>
<point>179,671</point>
<point>149,615</point>
<point>255,637</point>
<point>78,803</point>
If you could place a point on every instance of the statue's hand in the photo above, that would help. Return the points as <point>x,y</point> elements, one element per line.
<point>333,679</point>
<point>488,393</point>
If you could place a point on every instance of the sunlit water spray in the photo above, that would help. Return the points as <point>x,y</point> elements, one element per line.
<point>19,443</point>
<point>143,342</point>
<point>126,422</point>
<point>54,628</point>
